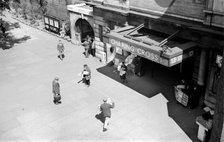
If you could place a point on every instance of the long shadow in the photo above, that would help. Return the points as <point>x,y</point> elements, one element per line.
<point>184,117</point>
<point>7,39</point>
<point>161,83</point>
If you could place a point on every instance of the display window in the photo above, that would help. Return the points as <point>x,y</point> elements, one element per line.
<point>56,24</point>
<point>46,20</point>
<point>52,24</point>
<point>118,50</point>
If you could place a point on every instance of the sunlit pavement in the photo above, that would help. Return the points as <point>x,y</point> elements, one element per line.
<point>27,109</point>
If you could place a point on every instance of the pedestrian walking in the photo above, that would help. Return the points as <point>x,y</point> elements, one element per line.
<point>93,48</point>
<point>122,68</point>
<point>86,75</point>
<point>105,108</point>
<point>60,48</point>
<point>56,91</point>
<point>86,45</point>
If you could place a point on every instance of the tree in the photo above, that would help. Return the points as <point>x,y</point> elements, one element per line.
<point>43,6</point>
<point>16,5</point>
<point>217,128</point>
<point>4,4</point>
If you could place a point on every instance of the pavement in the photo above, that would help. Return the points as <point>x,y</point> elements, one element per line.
<point>29,114</point>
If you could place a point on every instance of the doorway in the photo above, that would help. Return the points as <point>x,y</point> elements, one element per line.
<point>83,27</point>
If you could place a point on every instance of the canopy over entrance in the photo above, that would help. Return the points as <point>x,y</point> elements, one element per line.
<point>152,45</point>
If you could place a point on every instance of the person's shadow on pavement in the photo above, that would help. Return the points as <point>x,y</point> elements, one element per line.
<point>100,117</point>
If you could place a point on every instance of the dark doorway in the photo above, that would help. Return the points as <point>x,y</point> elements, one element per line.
<point>84,28</point>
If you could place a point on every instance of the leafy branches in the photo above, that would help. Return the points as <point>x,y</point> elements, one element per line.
<point>4,4</point>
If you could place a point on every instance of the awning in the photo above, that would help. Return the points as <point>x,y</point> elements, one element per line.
<point>146,46</point>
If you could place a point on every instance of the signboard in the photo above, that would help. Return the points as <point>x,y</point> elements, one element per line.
<point>149,54</point>
<point>81,8</point>
<point>51,24</point>
<point>140,51</point>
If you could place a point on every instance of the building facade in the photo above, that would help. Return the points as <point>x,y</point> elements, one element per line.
<point>182,34</point>
<point>198,22</point>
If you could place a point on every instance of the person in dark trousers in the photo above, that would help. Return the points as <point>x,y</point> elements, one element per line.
<point>86,73</point>
<point>60,48</point>
<point>89,39</point>
<point>93,48</point>
<point>123,72</point>
<point>106,112</point>
<point>56,91</point>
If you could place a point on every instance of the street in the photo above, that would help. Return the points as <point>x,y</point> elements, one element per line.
<point>29,114</point>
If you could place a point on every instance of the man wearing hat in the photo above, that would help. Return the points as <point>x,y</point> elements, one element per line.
<point>56,91</point>
<point>105,109</point>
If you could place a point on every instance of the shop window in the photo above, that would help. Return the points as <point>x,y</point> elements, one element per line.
<point>111,24</point>
<point>52,24</point>
<point>218,5</point>
<point>118,50</point>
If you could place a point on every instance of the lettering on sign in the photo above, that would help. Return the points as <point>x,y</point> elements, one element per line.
<point>139,51</point>
<point>177,59</point>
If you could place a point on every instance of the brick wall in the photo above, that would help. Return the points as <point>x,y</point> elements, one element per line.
<point>188,8</point>
<point>57,8</point>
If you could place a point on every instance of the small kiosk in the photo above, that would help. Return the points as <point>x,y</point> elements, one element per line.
<point>52,24</point>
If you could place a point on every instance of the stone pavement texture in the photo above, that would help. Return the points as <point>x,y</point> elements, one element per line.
<point>27,109</point>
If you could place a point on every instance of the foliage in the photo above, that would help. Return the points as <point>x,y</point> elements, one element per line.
<point>43,6</point>
<point>4,4</point>
<point>25,10</point>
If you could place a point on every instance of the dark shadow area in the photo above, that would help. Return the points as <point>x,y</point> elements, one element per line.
<point>161,80</point>
<point>100,117</point>
<point>166,3</point>
<point>183,116</point>
<point>7,39</point>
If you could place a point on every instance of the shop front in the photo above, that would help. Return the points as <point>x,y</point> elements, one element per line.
<point>175,58</point>
<point>166,56</point>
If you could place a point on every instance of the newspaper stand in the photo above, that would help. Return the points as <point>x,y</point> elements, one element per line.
<point>181,97</point>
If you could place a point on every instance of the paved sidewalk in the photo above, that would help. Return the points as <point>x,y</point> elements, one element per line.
<point>27,109</point>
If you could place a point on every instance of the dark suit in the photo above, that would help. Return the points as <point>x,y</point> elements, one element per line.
<point>56,91</point>
<point>105,108</point>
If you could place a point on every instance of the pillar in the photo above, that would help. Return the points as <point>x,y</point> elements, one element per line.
<point>202,67</point>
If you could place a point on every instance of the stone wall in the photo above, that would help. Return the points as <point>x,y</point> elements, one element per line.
<point>188,8</point>
<point>116,3</point>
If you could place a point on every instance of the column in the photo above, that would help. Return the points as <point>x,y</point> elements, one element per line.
<point>202,67</point>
